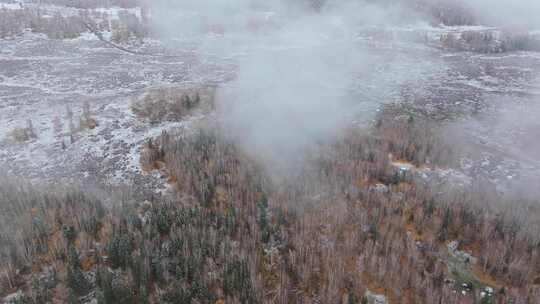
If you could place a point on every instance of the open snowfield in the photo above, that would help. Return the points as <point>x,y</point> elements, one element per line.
<point>40,78</point>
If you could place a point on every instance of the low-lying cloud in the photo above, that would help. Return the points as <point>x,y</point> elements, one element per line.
<point>298,68</point>
<point>505,13</point>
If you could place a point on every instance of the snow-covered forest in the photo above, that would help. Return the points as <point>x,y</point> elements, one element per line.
<point>249,151</point>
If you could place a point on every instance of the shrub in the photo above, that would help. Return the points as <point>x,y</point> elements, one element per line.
<point>24,134</point>
<point>171,104</point>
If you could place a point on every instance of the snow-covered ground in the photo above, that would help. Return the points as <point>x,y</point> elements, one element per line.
<point>40,78</point>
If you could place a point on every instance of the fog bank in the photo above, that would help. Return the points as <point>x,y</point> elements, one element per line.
<point>299,65</point>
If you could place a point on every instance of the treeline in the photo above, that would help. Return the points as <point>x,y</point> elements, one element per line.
<point>348,221</point>
<point>354,221</point>
<point>447,12</point>
<point>88,4</point>
<point>490,41</point>
<point>14,22</point>
<point>127,27</point>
